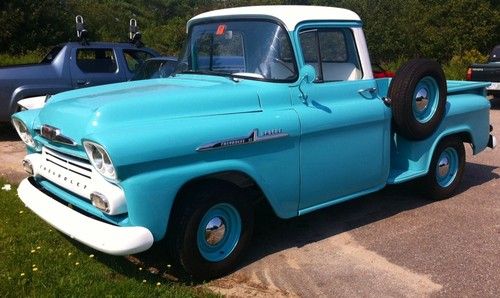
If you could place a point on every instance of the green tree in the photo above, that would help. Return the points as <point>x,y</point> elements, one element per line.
<point>30,25</point>
<point>395,29</point>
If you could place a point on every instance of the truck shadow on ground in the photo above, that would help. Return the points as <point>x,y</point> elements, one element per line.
<point>495,103</point>
<point>8,133</point>
<point>273,235</point>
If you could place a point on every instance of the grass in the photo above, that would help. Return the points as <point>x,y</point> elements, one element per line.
<point>32,57</point>
<point>36,260</point>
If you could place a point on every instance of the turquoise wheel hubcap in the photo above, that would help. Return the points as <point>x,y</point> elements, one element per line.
<point>447,167</point>
<point>219,232</point>
<point>425,99</point>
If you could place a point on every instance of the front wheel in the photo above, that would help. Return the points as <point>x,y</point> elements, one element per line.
<point>446,170</point>
<point>212,231</point>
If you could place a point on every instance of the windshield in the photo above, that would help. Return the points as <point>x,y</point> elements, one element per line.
<point>51,55</point>
<point>154,69</point>
<point>253,49</point>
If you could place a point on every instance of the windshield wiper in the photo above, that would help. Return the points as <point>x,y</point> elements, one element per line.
<point>210,72</point>
<point>205,72</point>
<point>233,76</point>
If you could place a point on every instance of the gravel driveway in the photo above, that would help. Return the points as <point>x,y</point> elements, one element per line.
<point>391,243</point>
<point>11,154</point>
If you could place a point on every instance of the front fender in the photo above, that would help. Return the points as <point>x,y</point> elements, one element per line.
<point>150,196</point>
<point>34,90</point>
<point>154,160</point>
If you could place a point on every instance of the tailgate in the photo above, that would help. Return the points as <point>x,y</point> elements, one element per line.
<point>486,72</point>
<point>455,87</point>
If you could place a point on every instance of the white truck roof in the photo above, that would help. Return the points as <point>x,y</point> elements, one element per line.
<point>289,15</point>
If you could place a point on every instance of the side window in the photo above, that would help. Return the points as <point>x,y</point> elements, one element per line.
<point>333,53</point>
<point>51,55</point>
<point>333,47</point>
<point>96,60</point>
<point>310,50</point>
<point>135,58</point>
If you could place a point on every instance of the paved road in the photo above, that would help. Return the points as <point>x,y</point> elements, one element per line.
<point>392,243</point>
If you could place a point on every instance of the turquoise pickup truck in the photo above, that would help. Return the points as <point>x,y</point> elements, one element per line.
<point>274,105</point>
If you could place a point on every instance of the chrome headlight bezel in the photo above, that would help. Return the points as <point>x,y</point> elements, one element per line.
<point>100,160</point>
<point>23,132</point>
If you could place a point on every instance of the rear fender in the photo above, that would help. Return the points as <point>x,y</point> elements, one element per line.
<point>467,117</point>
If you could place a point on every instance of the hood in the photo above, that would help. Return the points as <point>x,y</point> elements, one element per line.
<point>81,112</point>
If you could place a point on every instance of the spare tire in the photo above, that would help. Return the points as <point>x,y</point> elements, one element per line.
<point>418,96</point>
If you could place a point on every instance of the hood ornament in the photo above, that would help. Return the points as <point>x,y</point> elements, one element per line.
<point>54,134</point>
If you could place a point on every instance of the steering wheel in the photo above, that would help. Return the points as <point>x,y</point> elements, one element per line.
<point>279,61</point>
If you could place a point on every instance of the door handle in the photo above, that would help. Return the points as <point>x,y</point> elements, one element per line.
<point>368,93</point>
<point>368,90</point>
<point>373,93</point>
<point>82,83</point>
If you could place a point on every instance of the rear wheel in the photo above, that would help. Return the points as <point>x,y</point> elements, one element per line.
<point>446,170</point>
<point>212,230</point>
<point>418,95</point>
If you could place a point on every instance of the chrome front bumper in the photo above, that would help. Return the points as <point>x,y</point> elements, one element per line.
<point>99,235</point>
<point>492,142</point>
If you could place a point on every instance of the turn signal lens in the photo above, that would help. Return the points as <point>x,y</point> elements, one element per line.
<point>99,201</point>
<point>28,167</point>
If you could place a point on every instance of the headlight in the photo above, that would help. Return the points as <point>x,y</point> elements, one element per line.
<point>100,159</point>
<point>23,132</point>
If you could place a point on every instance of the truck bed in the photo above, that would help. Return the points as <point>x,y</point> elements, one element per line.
<point>453,87</point>
<point>463,86</point>
<point>411,159</point>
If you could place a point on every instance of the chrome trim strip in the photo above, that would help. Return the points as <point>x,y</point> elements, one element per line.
<point>253,137</point>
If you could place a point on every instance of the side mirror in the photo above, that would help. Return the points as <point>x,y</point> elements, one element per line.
<point>308,73</point>
<point>307,76</point>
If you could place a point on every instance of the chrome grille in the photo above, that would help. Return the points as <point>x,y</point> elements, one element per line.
<point>69,172</point>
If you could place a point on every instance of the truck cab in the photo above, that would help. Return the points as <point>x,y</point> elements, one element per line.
<point>69,66</point>
<point>268,103</point>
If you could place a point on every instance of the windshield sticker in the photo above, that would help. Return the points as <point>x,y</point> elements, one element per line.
<point>221,29</point>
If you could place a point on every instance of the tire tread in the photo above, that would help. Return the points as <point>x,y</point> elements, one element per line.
<point>401,93</point>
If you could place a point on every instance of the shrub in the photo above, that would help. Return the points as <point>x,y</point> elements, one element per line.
<point>31,57</point>
<point>456,68</point>
<point>394,65</point>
